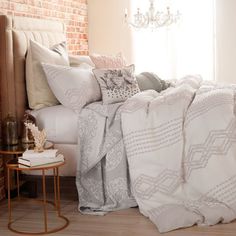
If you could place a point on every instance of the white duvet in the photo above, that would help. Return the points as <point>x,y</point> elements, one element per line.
<point>181,149</point>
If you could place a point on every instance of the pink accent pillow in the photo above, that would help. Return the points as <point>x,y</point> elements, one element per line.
<point>106,61</point>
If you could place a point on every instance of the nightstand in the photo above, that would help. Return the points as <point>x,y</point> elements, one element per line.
<point>14,151</point>
<point>13,165</point>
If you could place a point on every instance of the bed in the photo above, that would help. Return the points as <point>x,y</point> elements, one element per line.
<point>154,149</point>
<point>15,33</point>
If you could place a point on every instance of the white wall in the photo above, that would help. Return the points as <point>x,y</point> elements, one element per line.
<point>108,34</point>
<point>226,41</point>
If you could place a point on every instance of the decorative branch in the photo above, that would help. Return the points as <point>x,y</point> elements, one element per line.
<point>39,136</point>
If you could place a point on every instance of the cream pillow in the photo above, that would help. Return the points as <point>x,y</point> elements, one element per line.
<point>77,60</point>
<point>38,91</point>
<point>74,87</point>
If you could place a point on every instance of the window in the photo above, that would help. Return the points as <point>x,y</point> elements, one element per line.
<point>185,48</point>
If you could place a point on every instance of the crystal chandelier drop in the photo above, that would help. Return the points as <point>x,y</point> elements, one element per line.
<point>152,19</point>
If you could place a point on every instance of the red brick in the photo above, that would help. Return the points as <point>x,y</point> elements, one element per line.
<point>72,12</point>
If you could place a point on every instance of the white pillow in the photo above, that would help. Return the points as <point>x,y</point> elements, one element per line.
<point>38,91</point>
<point>74,87</point>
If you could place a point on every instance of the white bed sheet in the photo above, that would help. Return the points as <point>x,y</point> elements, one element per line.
<point>60,124</point>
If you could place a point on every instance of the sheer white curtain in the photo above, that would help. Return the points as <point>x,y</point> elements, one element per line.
<point>185,48</point>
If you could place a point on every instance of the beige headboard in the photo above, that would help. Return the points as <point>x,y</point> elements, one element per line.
<point>15,33</point>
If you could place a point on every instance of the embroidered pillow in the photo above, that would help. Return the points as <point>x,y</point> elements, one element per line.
<point>38,92</point>
<point>105,61</point>
<point>74,87</point>
<point>116,84</point>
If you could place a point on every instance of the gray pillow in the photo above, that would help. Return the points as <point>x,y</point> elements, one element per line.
<point>148,80</point>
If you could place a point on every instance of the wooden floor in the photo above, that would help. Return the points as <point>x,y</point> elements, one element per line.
<point>122,223</point>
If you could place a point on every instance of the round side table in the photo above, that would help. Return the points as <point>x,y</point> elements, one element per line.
<point>13,165</point>
<point>17,150</point>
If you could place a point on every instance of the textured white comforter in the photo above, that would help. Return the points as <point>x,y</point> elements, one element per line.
<point>181,149</point>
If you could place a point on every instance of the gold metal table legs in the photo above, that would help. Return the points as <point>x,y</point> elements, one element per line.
<point>44,201</point>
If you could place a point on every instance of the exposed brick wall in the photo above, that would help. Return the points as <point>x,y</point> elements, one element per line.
<point>73,13</point>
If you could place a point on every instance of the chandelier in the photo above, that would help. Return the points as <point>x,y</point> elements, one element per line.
<point>152,19</point>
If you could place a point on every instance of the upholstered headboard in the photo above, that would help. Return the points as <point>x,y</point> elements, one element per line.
<point>15,33</point>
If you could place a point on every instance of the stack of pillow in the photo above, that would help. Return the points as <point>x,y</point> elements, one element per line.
<point>53,80</point>
<point>53,77</point>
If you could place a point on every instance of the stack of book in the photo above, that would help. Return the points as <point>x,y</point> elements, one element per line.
<point>32,159</point>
